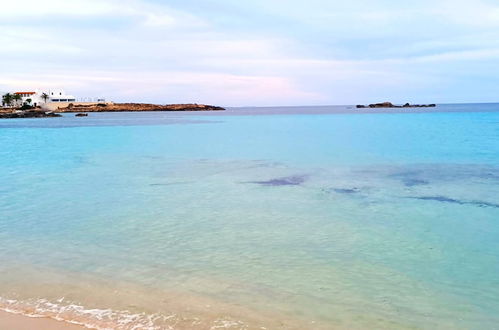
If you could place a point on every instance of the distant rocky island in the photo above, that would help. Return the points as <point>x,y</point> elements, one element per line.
<point>391,105</point>
<point>122,107</point>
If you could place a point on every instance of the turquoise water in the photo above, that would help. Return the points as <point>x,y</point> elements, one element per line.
<point>291,217</point>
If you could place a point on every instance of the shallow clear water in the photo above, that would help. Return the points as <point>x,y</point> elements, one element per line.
<point>290,217</point>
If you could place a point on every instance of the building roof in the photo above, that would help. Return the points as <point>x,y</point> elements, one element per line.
<point>30,93</point>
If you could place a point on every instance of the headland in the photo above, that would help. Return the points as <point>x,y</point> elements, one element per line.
<point>49,110</point>
<point>122,107</point>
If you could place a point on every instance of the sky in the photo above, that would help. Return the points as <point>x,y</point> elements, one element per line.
<point>254,53</point>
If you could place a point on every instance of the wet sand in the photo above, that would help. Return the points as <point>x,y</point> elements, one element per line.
<point>9,321</point>
<point>98,303</point>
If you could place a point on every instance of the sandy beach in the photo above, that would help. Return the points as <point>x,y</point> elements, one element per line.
<point>20,322</point>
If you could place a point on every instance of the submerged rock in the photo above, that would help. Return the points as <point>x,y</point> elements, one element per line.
<point>411,178</point>
<point>294,180</point>
<point>346,190</point>
<point>456,201</point>
<point>440,199</point>
<point>409,182</point>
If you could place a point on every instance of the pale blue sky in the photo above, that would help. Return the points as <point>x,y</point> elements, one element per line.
<point>259,52</point>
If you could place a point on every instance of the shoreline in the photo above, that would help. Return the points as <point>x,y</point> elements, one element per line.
<point>55,109</point>
<point>48,299</point>
<point>134,107</point>
<point>12,320</point>
<point>286,110</point>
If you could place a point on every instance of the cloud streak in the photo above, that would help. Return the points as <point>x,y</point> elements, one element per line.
<point>253,53</point>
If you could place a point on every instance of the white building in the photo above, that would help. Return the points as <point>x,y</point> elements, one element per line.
<point>59,95</point>
<point>31,98</point>
<point>38,98</point>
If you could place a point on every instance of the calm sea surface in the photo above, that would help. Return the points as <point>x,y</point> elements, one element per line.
<point>254,218</point>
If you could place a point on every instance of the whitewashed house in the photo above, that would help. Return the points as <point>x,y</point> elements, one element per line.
<point>60,95</point>
<point>37,98</point>
<point>32,98</point>
<point>54,99</point>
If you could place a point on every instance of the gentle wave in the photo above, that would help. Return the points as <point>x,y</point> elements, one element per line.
<point>101,319</point>
<point>108,319</point>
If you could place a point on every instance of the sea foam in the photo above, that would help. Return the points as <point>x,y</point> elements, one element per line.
<point>93,318</point>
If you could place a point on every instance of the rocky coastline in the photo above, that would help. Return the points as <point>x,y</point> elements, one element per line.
<point>391,105</point>
<point>12,114</point>
<point>81,110</point>
<point>122,107</point>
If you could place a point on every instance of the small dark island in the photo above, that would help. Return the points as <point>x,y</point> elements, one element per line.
<point>391,105</point>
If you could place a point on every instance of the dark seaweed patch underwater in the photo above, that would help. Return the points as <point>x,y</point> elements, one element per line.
<point>455,201</point>
<point>294,180</point>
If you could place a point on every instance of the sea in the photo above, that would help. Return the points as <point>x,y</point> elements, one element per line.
<point>254,218</point>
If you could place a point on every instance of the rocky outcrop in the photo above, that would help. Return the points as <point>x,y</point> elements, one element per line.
<point>382,105</point>
<point>121,107</point>
<point>391,105</point>
<point>27,114</point>
<point>80,114</point>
